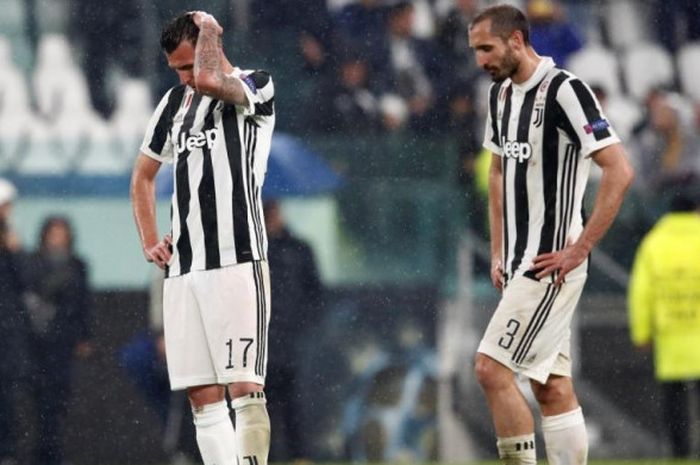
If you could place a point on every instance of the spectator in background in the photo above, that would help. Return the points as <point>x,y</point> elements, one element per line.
<point>453,39</point>
<point>13,328</point>
<point>408,67</point>
<point>8,193</point>
<point>664,311</point>
<point>347,103</point>
<point>57,304</point>
<point>676,22</point>
<point>111,37</point>
<point>143,358</point>
<point>551,33</point>
<point>668,143</point>
<point>297,301</point>
<point>363,24</point>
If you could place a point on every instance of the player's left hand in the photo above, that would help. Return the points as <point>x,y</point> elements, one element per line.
<point>202,18</point>
<point>561,261</point>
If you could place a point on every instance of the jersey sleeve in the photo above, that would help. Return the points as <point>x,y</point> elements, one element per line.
<point>491,139</point>
<point>156,142</point>
<point>260,91</point>
<point>585,116</point>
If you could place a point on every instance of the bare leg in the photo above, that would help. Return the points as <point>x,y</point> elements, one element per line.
<point>509,410</point>
<point>512,417</point>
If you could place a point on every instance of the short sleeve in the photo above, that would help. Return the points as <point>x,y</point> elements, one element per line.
<point>156,141</point>
<point>491,139</point>
<point>260,91</point>
<point>586,117</point>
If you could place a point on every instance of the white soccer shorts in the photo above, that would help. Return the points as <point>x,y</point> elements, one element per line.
<point>530,331</point>
<point>215,324</point>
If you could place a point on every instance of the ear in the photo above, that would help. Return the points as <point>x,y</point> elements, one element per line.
<point>516,40</point>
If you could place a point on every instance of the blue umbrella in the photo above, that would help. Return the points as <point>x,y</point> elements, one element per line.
<point>293,169</point>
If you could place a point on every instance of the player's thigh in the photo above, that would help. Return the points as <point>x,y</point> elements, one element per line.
<point>530,325</point>
<point>186,345</point>
<point>235,303</point>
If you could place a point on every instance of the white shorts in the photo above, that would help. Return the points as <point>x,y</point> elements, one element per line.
<point>215,324</point>
<point>530,331</point>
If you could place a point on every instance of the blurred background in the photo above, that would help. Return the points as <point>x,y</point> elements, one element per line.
<point>377,185</point>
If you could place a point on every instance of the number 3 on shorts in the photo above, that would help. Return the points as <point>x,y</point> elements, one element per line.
<point>248,341</point>
<point>507,340</point>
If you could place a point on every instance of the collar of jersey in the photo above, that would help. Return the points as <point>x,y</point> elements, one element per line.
<point>543,67</point>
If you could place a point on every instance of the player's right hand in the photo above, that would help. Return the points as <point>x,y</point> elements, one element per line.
<point>201,18</point>
<point>497,273</point>
<point>160,253</point>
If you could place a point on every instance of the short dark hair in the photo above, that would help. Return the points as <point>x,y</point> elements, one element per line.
<point>505,19</point>
<point>177,30</point>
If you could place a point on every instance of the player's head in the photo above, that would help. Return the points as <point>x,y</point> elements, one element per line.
<point>178,40</point>
<point>500,36</point>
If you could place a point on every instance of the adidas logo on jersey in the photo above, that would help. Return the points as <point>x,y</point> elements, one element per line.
<point>196,141</point>
<point>519,150</point>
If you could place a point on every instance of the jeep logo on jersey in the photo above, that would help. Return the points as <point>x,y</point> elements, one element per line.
<point>519,150</point>
<point>196,141</point>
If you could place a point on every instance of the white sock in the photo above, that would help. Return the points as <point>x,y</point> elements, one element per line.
<point>215,436</point>
<point>565,438</point>
<point>517,450</point>
<point>252,428</point>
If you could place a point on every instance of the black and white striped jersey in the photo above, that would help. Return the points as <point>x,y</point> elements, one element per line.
<point>220,153</point>
<point>545,131</point>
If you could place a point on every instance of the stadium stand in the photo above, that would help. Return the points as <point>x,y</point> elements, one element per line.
<point>645,66</point>
<point>688,62</point>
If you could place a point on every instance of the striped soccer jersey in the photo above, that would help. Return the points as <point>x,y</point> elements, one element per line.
<point>545,131</point>
<point>220,153</point>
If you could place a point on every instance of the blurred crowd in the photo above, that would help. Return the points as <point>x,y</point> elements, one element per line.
<point>362,68</point>
<point>44,328</point>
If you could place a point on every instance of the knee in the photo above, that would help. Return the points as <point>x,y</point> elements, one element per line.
<point>557,392</point>
<point>200,396</point>
<point>237,390</point>
<point>491,374</point>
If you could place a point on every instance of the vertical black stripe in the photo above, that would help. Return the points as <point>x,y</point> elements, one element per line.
<point>504,171</point>
<point>207,198</point>
<point>564,197</point>
<point>522,202</point>
<point>550,164</point>
<point>259,320</point>
<point>240,207</point>
<point>251,136</point>
<point>259,279</point>
<point>590,109</point>
<point>532,323</point>
<point>493,106</point>
<point>182,183</point>
<point>536,323</point>
<point>540,324</point>
<point>258,223</point>
<point>165,122</point>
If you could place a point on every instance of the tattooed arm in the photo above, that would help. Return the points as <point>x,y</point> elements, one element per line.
<point>210,63</point>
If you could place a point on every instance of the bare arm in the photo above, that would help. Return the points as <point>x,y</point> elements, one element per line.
<point>617,177</point>
<point>143,200</point>
<point>210,61</point>
<point>496,220</point>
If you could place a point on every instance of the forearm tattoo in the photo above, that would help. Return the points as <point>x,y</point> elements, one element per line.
<point>208,61</point>
<point>208,52</point>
